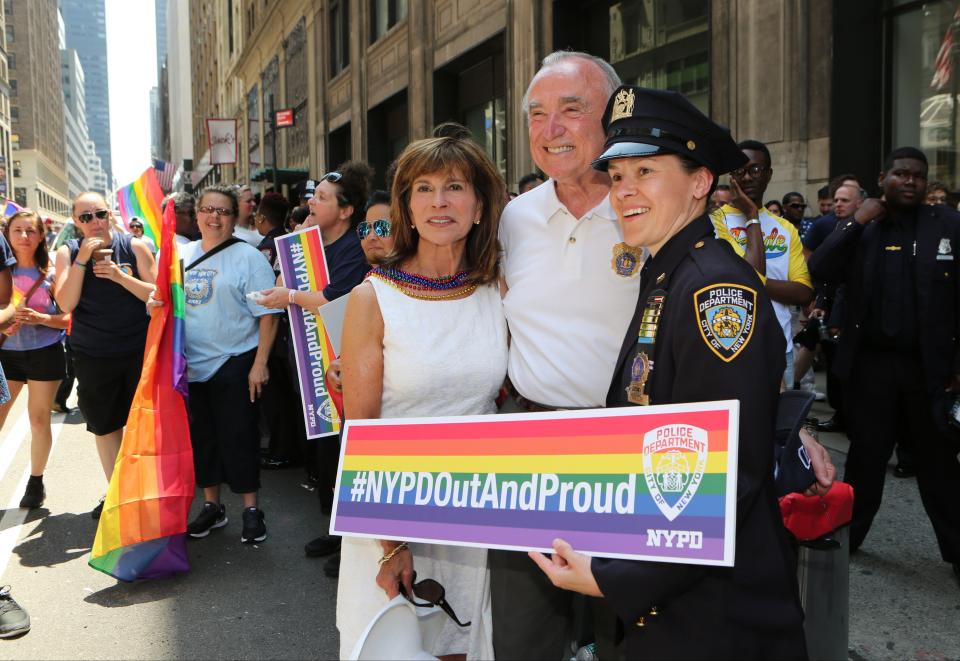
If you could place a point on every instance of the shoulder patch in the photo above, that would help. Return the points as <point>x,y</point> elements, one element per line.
<point>726,314</point>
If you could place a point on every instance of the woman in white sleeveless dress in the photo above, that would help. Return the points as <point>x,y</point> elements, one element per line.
<point>427,337</point>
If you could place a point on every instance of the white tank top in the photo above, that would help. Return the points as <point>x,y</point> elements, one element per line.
<point>446,357</point>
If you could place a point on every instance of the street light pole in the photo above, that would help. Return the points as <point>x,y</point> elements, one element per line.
<point>273,145</point>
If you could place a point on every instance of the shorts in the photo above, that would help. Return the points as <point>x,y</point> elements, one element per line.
<point>105,389</point>
<point>44,364</point>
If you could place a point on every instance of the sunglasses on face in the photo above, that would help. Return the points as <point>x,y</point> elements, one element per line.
<point>88,216</point>
<point>753,171</point>
<point>433,594</point>
<point>220,211</point>
<point>380,227</point>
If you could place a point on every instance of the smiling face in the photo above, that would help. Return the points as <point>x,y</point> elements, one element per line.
<point>655,197</point>
<point>376,247</point>
<point>444,207</point>
<point>25,234</point>
<point>566,102</point>
<point>215,228</point>
<point>96,228</point>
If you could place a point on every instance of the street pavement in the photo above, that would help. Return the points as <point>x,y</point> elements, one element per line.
<point>269,601</point>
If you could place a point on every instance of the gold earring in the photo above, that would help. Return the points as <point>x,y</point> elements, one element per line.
<point>476,222</point>
<point>412,226</point>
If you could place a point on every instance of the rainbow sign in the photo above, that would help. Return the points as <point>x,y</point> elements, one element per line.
<point>646,483</point>
<point>303,267</point>
<point>142,199</point>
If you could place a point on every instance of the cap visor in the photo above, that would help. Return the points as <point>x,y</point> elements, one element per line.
<point>627,150</point>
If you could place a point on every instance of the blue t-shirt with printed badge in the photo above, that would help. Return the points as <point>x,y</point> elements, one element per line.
<point>220,321</point>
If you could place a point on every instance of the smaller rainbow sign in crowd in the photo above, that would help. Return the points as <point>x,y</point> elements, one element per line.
<point>303,267</point>
<point>647,483</point>
<point>142,199</point>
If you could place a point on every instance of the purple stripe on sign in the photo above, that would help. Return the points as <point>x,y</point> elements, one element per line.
<point>582,521</point>
<point>594,543</point>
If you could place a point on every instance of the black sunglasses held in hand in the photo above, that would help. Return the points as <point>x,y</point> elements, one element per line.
<point>88,216</point>
<point>380,226</point>
<point>433,594</point>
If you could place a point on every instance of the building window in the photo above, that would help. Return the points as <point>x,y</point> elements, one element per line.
<point>13,87</point>
<point>11,61</point>
<point>384,14</point>
<point>295,97</point>
<point>339,36</point>
<point>9,31</point>
<point>925,84</point>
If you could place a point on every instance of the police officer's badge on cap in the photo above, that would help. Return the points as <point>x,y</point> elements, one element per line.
<point>640,121</point>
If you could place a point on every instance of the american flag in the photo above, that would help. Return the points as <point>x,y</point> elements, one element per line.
<point>165,172</point>
<point>943,66</point>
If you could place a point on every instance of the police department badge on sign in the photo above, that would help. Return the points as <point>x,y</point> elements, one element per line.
<point>726,314</point>
<point>674,463</point>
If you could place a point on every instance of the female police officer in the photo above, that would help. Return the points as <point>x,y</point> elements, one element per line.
<point>704,330</point>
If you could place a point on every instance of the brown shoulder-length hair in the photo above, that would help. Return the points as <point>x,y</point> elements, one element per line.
<point>40,255</point>
<point>449,154</point>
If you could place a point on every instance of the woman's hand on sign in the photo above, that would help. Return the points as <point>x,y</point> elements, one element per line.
<point>823,468</point>
<point>396,570</point>
<point>568,569</point>
<point>276,298</point>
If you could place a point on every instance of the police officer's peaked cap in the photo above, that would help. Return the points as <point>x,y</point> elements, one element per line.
<point>640,121</point>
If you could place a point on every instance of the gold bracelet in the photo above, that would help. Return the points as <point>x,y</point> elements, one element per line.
<point>389,556</point>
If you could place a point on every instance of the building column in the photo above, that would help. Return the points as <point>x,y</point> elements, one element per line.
<point>523,56</point>
<point>420,69</point>
<point>358,79</point>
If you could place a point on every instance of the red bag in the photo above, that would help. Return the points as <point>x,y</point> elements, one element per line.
<point>810,517</point>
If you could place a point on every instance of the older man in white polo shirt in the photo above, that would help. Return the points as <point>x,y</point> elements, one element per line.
<point>572,288</point>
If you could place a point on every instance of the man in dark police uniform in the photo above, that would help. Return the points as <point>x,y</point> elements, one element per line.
<point>704,329</point>
<point>899,351</point>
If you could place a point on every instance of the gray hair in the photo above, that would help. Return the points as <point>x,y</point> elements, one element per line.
<point>181,202</point>
<point>611,77</point>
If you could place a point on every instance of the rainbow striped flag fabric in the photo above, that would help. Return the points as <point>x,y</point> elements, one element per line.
<point>142,199</point>
<point>647,483</point>
<point>142,530</point>
<point>10,207</point>
<point>303,267</point>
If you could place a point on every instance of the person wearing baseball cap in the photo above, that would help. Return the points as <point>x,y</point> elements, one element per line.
<point>703,330</point>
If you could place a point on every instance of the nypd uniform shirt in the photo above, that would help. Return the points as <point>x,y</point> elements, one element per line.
<point>220,321</point>
<point>715,337</point>
<point>568,302</point>
<point>782,249</point>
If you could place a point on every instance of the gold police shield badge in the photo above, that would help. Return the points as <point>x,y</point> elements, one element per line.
<point>622,105</point>
<point>626,260</point>
<point>726,314</point>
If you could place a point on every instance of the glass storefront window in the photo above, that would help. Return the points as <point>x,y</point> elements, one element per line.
<point>925,81</point>
<point>663,44</point>
<point>487,123</point>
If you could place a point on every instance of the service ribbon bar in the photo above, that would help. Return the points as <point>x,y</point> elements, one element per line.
<point>646,483</point>
<point>304,268</point>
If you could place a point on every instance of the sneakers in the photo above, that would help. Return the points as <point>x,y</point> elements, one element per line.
<point>34,494</point>
<point>212,516</point>
<point>253,528</point>
<point>98,510</point>
<point>14,621</point>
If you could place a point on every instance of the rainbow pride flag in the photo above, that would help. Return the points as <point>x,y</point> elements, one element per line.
<point>142,529</point>
<point>303,267</point>
<point>648,483</point>
<point>142,200</point>
<point>10,207</point>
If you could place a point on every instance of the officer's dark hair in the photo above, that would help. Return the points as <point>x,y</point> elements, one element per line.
<point>377,197</point>
<point>354,187</point>
<point>220,189</point>
<point>452,130</point>
<point>838,181</point>
<point>786,198</point>
<point>756,145</point>
<point>823,193</point>
<point>273,207</point>
<point>690,166</point>
<point>299,215</point>
<point>905,152</point>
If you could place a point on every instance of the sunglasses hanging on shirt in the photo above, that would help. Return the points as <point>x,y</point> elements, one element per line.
<point>433,594</point>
